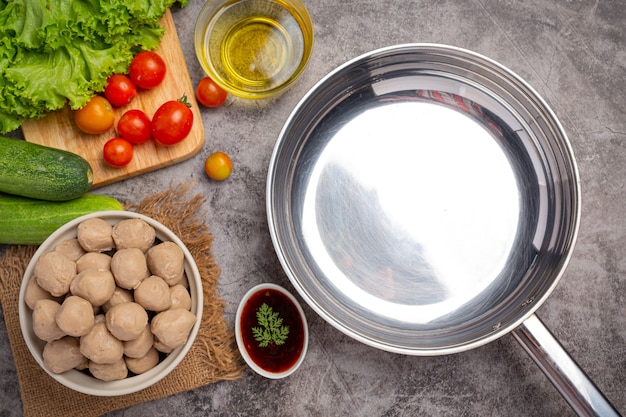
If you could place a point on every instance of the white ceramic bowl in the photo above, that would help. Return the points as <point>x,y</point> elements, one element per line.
<point>240,338</point>
<point>82,382</point>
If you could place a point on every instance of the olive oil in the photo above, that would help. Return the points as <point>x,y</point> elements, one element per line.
<point>255,50</point>
<point>256,45</point>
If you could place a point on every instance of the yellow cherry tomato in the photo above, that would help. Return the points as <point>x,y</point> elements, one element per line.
<point>96,117</point>
<point>218,166</point>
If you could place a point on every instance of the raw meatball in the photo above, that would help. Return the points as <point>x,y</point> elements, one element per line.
<point>145,363</point>
<point>140,346</point>
<point>153,294</point>
<point>172,327</point>
<point>62,355</point>
<point>34,293</point>
<point>129,268</point>
<point>95,286</point>
<point>94,235</point>
<point>83,365</point>
<point>100,346</point>
<point>184,281</point>
<point>93,260</point>
<point>126,321</point>
<point>54,273</point>
<point>180,297</point>
<point>161,347</point>
<point>133,233</point>
<point>167,261</point>
<point>75,316</point>
<point>71,249</point>
<point>120,295</point>
<point>109,371</point>
<point>44,320</point>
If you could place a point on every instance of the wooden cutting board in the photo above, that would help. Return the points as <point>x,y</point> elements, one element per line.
<point>58,129</point>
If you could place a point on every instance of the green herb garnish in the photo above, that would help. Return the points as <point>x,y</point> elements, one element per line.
<point>272,330</point>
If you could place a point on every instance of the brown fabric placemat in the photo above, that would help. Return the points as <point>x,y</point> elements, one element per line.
<point>213,356</point>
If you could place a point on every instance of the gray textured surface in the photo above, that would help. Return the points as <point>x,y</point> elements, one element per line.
<point>573,52</point>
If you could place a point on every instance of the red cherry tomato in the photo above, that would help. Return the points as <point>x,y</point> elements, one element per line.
<point>135,127</point>
<point>118,152</point>
<point>210,94</point>
<point>120,90</point>
<point>172,122</point>
<point>147,69</point>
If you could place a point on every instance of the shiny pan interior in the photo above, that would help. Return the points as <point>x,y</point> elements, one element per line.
<point>423,199</point>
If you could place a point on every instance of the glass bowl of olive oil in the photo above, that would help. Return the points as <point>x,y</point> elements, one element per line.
<point>254,49</point>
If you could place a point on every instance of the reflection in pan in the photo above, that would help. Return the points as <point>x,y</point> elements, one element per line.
<point>391,258</point>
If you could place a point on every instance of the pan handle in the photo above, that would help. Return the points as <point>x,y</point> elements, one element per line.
<point>568,378</point>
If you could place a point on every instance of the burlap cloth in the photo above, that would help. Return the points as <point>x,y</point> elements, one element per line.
<point>213,356</point>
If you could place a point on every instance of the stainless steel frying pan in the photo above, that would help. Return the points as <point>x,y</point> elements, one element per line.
<point>425,200</point>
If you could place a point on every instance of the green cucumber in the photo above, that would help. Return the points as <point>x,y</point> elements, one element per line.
<point>37,171</point>
<point>28,221</point>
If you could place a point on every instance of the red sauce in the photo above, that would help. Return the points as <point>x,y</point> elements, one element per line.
<point>273,358</point>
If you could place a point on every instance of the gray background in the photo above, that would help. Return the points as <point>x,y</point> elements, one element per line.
<point>573,52</point>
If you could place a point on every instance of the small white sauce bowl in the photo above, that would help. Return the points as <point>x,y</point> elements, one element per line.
<point>239,337</point>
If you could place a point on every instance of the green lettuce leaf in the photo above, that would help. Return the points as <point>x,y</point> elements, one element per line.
<point>54,53</point>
